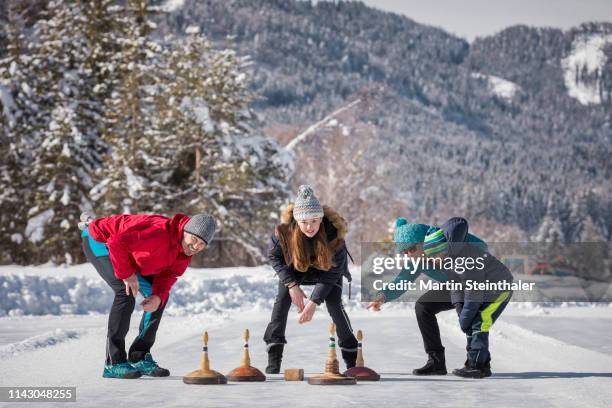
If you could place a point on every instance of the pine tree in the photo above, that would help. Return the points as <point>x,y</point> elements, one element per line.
<point>577,218</point>
<point>550,229</point>
<point>222,164</point>
<point>66,156</point>
<point>18,107</point>
<point>589,232</point>
<point>61,169</point>
<point>131,135</point>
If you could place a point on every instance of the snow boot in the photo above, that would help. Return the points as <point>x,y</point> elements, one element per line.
<point>486,367</point>
<point>436,365</point>
<point>350,358</point>
<point>148,366</point>
<point>478,370</point>
<point>275,356</point>
<point>121,370</point>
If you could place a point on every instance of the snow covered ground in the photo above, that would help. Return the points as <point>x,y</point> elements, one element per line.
<point>542,356</point>
<point>588,57</point>
<point>499,86</point>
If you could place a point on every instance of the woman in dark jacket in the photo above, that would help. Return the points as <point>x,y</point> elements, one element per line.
<point>308,248</point>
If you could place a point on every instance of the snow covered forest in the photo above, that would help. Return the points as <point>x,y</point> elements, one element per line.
<point>189,105</point>
<point>100,115</point>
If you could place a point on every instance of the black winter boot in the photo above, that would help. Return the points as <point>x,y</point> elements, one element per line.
<point>478,370</point>
<point>350,358</point>
<point>436,365</point>
<point>275,356</point>
<point>486,367</point>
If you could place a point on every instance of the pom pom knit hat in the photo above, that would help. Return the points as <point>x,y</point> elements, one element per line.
<point>407,235</point>
<point>307,205</point>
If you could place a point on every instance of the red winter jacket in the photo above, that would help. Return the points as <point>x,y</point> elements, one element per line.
<point>148,244</point>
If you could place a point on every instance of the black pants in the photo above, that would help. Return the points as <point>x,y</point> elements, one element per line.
<point>275,332</point>
<point>427,307</point>
<point>121,312</point>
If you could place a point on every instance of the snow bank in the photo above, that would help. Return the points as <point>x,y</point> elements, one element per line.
<point>43,340</point>
<point>59,290</point>
<point>40,295</point>
<point>56,290</point>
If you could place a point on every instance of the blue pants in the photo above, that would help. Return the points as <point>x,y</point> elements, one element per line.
<point>478,335</point>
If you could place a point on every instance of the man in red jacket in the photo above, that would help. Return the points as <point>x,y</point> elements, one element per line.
<point>146,254</point>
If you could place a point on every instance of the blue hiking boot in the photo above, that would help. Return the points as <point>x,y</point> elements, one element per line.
<point>148,366</point>
<point>121,370</point>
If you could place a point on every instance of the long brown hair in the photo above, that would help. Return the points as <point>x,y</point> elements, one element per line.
<point>303,254</point>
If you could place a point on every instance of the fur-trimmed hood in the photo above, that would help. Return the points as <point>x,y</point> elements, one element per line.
<point>336,227</point>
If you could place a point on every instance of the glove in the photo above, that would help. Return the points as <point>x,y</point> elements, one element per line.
<point>468,313</point>
<point>465,327</point>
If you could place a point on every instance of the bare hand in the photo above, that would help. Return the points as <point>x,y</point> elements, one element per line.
<point>131,284</point>
<point>297,297</point>
<point>151,303</point>
<point>308,312</point>
<point>377,303</point>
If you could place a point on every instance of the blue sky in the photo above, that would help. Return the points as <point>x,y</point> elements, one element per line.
<point>472,18</point>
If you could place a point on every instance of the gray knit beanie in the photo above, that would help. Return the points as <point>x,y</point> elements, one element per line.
<point>307,205</point>
<point>202,226</point>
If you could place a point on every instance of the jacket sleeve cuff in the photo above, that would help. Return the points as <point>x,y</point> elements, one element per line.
<point>287,278</point>
<point>316,300</point>
<point>123,273</point>
<point>162,295</point>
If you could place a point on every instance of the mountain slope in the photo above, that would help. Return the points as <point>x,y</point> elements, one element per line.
<point>489,130</point>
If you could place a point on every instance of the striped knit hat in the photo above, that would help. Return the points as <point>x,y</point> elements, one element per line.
<point>307,205</point>
<point>435,242</point>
